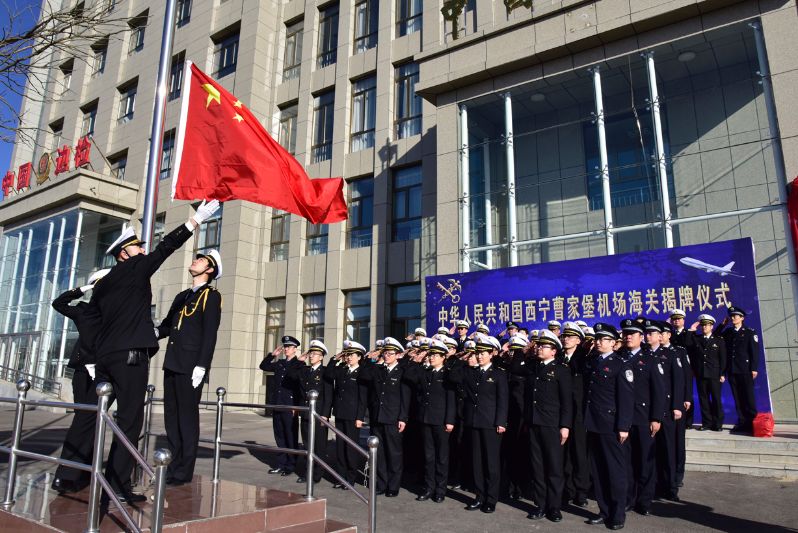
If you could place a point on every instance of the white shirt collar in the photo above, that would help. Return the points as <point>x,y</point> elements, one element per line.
<point>485,367</point>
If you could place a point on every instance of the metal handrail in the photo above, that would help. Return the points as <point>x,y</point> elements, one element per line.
<point>98,480</point>
<point>371,455</point>
<point>38,382</point>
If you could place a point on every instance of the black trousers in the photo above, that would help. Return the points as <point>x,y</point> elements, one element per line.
<point>130,384</point>
<point>350,462</point>
<point>742,386</point>
<point>547,467</point>
<point>485,461</point>
<point>286,433</point>
<point>436,455</point>
<point>711,403</point>
<point>681,449</point>
<point>319,446</point>
<point>79,441</point>
<point>389,460</point>
<point>642,471</point>
<point>514,459</point>
<point>181,419</point>
<point>666,452</point>
<point>576,468</point>
<point>460,452</point>
<point>609,462</point>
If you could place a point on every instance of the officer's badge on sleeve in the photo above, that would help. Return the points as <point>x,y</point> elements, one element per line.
<point>630,376</point>
<point>756,337</point>
<point>661,371</point>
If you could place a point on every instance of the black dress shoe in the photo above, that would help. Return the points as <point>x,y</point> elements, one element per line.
<point>174,482</point>
<point>339,485</point>
<point>581,502</point>
<point>391,493</point>
<point>301,479</point>
<point>457,486</point>
<point>615,527</point>
<point>674,498</point>
<point>643,511</point>
<point>424,496</point>
<point>702,428</point>
<point>554,516</point>
<point>63,486</point>
<point>488,508</point>
<point>536,515</point>
<point>285,473</point>
<point>129,497</point>
<point>438,499</point>
<point>275,470</point>
<point>595,521</point>
<point>473,506</point>
<point>515,495</point>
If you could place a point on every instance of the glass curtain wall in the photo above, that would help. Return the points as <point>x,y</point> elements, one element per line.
<point>716,154</point>
<point>40,261</point>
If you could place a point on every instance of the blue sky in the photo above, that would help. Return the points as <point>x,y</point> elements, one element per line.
<point>15,16</point>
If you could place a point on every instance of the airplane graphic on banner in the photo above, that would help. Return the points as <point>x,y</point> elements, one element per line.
<point>725,270</point>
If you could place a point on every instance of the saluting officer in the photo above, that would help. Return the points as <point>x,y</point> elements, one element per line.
<point>191,325</point>
<point>515,459</point>
<point>554,326</point>
<point>311,377</point>
<point>461,334</point>
<point>389,405</point>
<point>709,363</point>
<point>685,339</point>
<point>485,416</point>
<point>649,409</point>
<point>350,395</point>
<point>286,392</point>
<point>126,339</point>
<point>742,353</point>
<point>79,441</point>
<point>576,469</point>
<point>549,416</point>
<point>436,414</point>
<point>672,359</point>
<point>609,412</point>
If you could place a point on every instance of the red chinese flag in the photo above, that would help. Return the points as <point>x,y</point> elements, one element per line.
<point>224,153</point>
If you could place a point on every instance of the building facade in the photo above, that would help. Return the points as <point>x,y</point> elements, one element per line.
<point>472,135</point>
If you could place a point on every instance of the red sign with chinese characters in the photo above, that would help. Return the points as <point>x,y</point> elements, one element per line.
<point>64,154</point>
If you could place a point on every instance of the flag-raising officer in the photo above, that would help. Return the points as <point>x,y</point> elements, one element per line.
<point>191,325</point>
<point>79,441</point>
<point>126,339</point>
<point>286,392</point>
<point>609,412</point>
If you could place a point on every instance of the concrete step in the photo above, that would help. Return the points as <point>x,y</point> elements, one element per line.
<point>737,455</point>
<point>319,526</point>
<point>741,467</point>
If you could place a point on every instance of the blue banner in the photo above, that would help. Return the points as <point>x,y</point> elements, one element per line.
<point>702,278</point>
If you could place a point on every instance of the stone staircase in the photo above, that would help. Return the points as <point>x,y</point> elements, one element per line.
<point>708,451</point>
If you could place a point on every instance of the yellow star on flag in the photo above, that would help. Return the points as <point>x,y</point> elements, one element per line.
<point>213,94</point>
<point>238,117</point>
<point>237,103</point>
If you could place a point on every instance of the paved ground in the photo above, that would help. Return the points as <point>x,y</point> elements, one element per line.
<point>711,501</point>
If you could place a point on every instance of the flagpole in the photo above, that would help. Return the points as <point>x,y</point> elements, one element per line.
<point>156,133</point>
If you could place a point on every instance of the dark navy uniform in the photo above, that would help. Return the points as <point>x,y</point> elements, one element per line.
<point>348,406</point>
<point>126,341</point>
<point>709,363</point>
<point>609,410</point>
<point>286,392</point>
<point>437,409</point>
<point>389,404</point>
<point>312,378</point>
<point>681,425</point>
<point>576,467</point>
<point>671,364</point>
<point>79,442</point>
<point>515,459</point>
<point>685,339</point>
<point>742,353</point>
<point>191,325</point>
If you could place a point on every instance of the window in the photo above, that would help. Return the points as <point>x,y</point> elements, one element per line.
<point>89,118</point>
<point>357,316</point>
<point>275,322</point>
<point>328,36</point>
<point>167,154</point>
<point>158,230</point>
<point>281,229</point>
<point>408,16</point>
<point>127,101</point>
<point>183,12</point>
<point>118,165</point>
<point>408,103</point>
<point>66,75</point>
<point>210,233</point>
<point>292,60</point>
<point>367,15</point>
<point>226,53</point>
<point>176,76</point>
<point>407,204</point>
<point>361,212</point>
<point>312,318</point>
<point>317,239</point>
<point>57,129</point>
<point>99,52</point>
<point>405,310</point>
<point>321,149</point>
<point>288,129</point>
<point>137,26</point>
<point>364,107</point>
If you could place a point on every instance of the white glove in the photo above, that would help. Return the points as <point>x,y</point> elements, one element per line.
<point>157,333</point>
<point>87,288</point>
<point>196,376</point>
<point>92,372</point>
<point>205,211</point>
